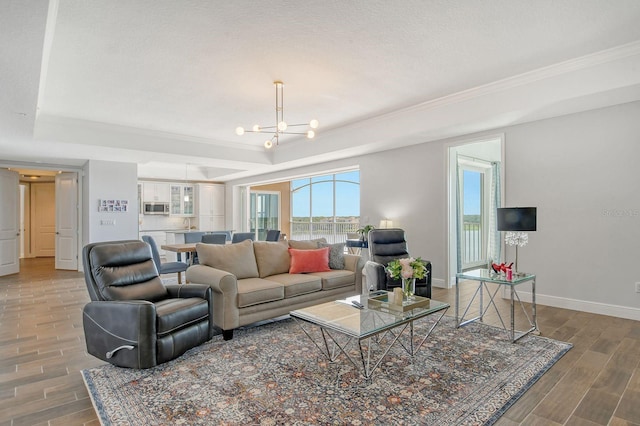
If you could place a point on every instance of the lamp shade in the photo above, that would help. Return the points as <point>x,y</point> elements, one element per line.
<point>517,219</point>
<point>386,224</point>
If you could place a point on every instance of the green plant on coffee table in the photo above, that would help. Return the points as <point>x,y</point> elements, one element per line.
<point>406,268</point>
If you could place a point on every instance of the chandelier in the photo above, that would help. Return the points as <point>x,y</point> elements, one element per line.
<point>281,126</point>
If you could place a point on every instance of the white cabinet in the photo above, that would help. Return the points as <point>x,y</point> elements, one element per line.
<point>182,200</point>
<point>210,207</point>
<point>155,192</point>
<point>210,200</point>
<point>211,223</point>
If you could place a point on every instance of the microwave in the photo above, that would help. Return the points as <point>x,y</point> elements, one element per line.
<point>155,208</point>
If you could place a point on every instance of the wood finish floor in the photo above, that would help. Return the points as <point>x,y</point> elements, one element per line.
<point>42,352</point>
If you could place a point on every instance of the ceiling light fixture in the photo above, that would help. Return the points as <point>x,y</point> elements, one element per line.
<point>281,125</point>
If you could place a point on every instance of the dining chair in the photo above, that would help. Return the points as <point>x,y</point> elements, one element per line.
<point>167,267</point>
<point>214,238</point>
<point>273,235</point>
<point>193,237</point>
<point>241,236</point>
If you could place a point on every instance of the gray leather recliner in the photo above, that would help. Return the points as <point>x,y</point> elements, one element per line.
<point>386,245</point>
<point>134,320</point>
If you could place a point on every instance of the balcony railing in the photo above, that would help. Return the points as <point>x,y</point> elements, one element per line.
<point>333,232</point>
<point>472,254</point>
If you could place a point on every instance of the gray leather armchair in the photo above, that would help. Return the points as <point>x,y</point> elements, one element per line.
<point>133,319</point>
<point>386,245</point>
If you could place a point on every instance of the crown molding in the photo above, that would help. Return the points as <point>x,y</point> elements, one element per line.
<point>562,68</point>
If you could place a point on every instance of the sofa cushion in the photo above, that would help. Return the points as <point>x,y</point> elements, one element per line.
<point>336,278</point>
<point>237,258</point>
<point>253,291</point>
<point>336,255</point>
<point>174,314</point>
<point>309,260</point>
<point>306,244</point>
<point>297,284</point>
<point>272,257</point>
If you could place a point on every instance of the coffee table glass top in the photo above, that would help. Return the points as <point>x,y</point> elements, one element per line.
<point>491,277</point>
<point>342,316</point>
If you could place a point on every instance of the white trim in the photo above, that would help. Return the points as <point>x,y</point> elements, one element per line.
<point>438,282</point>
<point>582,305</point>
<point>529,77</point>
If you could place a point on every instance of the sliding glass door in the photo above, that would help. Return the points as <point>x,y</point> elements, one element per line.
<point>264,212</point>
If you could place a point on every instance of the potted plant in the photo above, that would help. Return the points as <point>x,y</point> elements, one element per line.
<point>364,231</point>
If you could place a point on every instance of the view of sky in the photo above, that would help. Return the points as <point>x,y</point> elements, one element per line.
<point>471,190</point>
<point>347,202</point>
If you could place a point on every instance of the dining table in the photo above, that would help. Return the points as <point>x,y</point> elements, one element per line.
<point>186,248</point>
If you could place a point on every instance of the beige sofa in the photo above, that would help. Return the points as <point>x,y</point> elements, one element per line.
<point>251,280</point>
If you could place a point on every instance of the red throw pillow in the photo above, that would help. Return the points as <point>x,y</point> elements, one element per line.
<point>309,260</point>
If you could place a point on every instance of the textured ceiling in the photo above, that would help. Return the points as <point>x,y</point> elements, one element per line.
<point>164,83</point>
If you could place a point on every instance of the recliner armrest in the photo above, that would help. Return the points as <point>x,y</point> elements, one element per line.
<point>201,291</point>
<point>177,291</point>
<point>109,325</point>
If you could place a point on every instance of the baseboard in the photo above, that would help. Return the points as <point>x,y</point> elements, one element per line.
<point>438,282</point>
<point>582,305</point>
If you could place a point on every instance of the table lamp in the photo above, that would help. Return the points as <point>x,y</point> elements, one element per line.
<point>517,221</point>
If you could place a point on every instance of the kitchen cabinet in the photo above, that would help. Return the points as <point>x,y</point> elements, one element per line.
<point>211,223</point>
<point>182,200</point>
<point>158,192</point>
<point>210,207</point>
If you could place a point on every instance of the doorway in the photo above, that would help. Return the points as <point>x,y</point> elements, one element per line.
<point>264,212</point>
<point>48,210</point>
<point>475,182</point>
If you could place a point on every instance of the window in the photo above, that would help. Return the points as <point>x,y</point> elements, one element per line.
<point>325,206</point>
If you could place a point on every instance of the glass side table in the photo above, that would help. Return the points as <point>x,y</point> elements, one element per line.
<point>482,277</point>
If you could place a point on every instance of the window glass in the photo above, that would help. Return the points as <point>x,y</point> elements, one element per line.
<point>326,206</point>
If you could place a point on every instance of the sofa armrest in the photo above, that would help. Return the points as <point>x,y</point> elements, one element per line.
<point>352,261</point>
<point>224,286</point>
<point>355,263</point>
<point>121,332</point>
<point>376,275</point>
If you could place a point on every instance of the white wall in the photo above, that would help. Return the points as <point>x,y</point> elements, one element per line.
<point>109,180</point>
<point>582,173</point>
<point>579,171</point>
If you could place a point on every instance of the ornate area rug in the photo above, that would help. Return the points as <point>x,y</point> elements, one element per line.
<point>274,375</point>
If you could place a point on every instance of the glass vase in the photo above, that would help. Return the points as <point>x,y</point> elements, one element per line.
<point>408,288</point>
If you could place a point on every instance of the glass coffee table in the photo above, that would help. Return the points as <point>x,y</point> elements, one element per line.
<point>337,327</point>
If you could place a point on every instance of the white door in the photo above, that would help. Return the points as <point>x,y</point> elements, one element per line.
<point>43,215</point>
<point>9,223</point>
<point>67,221</point>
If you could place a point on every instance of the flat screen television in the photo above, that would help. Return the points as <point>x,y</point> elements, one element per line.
<point>517,219</point>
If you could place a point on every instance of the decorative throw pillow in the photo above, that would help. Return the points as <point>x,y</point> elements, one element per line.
<point>309,260</point>
<point>336,255</point>
<point>306,244</point>
<point>237,258</point>
<point>272,258</point>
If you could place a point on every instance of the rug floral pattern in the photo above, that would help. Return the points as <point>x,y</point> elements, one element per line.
<point>274,375</point>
